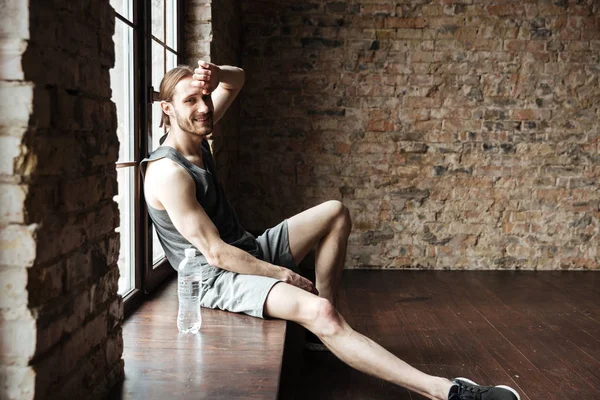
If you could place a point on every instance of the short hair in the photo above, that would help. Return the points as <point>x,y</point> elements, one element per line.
<point>167,87</point>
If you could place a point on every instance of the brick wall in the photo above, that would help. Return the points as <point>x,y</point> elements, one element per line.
<point>213,34</point>
<point>225,50</point>
<point>461,134</point>
<point>60,315</point>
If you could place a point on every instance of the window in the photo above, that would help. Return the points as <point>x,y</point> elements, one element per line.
<point>122,85</point>
<point>164,57</point>
<point>144,30</point>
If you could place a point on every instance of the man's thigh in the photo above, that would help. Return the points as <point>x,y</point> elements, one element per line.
<point>308,227</point>
<point>288,302</point>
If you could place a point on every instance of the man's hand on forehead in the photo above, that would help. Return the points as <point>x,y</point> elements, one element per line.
<point>206,76</point>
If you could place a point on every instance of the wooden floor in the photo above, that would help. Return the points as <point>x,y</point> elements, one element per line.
<point>536,331</point>
<point>235,356</point>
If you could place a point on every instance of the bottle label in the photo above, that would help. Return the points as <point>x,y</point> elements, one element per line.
<point>190,288</point>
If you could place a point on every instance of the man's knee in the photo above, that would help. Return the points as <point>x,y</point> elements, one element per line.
<point>340,216</point>
<point>326,321</point>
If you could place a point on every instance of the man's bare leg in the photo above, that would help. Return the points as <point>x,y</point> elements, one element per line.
<point>320,317</point>
<point>327,226</point>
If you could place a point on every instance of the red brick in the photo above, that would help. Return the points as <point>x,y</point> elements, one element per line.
<point>524,114</point>
<point>515,45</point>
<point>536,46</point>
<point>394,22</point>
<point>505,9</point>
<point>377,9</point>
<point>380,126</point>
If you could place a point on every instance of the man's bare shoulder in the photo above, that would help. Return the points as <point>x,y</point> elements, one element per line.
<point>162,175</point>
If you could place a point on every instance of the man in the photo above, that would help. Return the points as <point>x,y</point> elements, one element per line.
<point>259,276</point>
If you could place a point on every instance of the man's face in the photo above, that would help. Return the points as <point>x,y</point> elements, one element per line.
<point>193,110</point>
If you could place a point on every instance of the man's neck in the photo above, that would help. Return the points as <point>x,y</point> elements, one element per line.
<point>186,144</point>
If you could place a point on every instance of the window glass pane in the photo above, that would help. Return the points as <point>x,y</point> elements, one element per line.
<point>157,251</point>
<point>157,132</point>
<point>171,20</point>
<point>121,82</point>
<point>158,19</point>
<point>158,64</point>
<point>124,8</point>
<point>171,60</point>
<point>124,199</point>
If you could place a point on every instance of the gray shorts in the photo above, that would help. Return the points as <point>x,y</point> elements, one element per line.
<point>226,290</point>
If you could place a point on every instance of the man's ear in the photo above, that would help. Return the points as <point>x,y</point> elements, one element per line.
<point>166,107</point>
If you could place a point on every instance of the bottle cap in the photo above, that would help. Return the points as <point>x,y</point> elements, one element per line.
<point>190,253</point>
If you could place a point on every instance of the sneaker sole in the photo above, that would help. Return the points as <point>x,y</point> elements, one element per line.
<point>513,391</point>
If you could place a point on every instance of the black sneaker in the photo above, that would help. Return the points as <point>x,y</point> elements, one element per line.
<point>313,343</point>
<point>465,389</point>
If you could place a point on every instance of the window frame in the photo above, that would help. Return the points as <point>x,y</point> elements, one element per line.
<point>147,276</point>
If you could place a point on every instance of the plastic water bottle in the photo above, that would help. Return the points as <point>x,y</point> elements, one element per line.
<point>189,288</point>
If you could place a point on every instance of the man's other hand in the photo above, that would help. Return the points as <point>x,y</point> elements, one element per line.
<point>206,76</point>
<point>299,281</point>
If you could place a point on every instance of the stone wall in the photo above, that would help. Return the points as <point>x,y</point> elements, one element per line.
<point>213,34</point>
<point>225,50</point>
<point>60,315</point>
<point>198,31</point>
<point>461,134</point>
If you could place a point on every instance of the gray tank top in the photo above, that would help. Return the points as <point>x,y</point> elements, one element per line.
<point>210,195</point>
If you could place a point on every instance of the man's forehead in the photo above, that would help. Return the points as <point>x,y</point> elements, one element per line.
<point>184,88</point>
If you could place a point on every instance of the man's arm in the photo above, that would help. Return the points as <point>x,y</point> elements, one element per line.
<point>224,82</point>
<point>190,219</point>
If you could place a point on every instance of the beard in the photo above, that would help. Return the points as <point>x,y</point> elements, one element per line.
<point>193,126</point>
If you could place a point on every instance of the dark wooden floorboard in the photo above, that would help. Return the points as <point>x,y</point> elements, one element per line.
<point>460,319</point>
<point>525,333</point>
<point>234,357</point>
<point>429,337</point>
<point>582,298</point>
<point>562,338</point>
<point>535,331</point>
<point>560,316</point>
